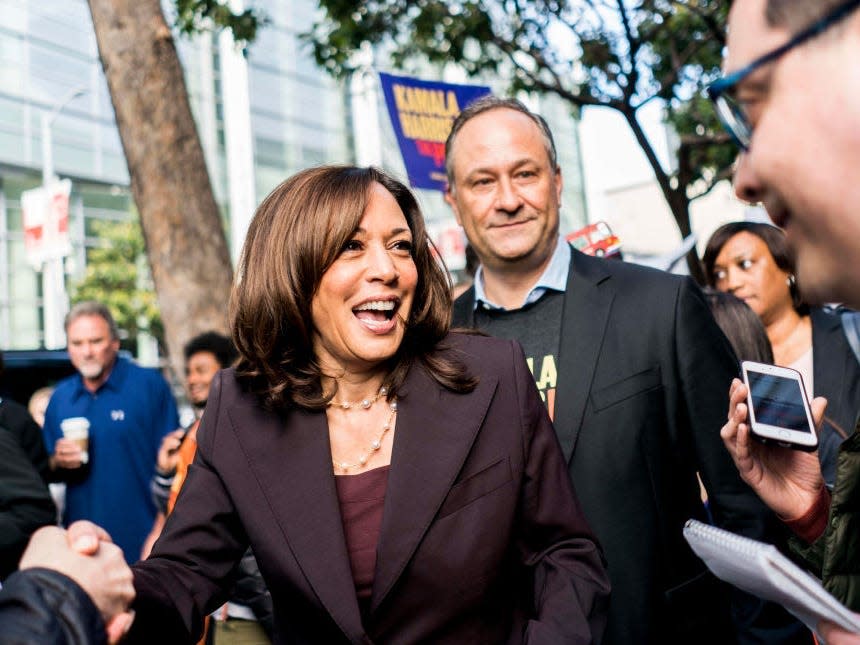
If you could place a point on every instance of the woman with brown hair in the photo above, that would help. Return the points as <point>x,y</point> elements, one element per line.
<point>751,260</point>
<point>397,483</point>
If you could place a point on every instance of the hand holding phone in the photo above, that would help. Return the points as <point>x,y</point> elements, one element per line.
<point>181,436</point>
<point>778,408</point>
<point>168,451</point>
<point>788,481</point>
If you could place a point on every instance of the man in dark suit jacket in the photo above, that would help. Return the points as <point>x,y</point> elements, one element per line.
<point>630,364</point>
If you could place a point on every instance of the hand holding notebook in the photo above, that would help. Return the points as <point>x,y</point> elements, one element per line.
<point>762,570</point>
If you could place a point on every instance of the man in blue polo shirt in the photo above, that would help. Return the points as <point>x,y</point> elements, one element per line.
<point>129,409</point>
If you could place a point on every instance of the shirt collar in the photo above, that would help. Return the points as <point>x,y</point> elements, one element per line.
<point>114,380</point>
<point>553,278</point>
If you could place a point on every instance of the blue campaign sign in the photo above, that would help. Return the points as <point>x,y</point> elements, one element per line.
<point>422,113</point>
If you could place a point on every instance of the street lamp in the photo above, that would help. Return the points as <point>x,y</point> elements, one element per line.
<point>47,121</point>
<point>55,300</point>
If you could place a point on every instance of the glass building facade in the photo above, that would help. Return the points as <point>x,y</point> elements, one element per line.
<point>296,116</point>
<point>48,62</point>
<point>260,117</point>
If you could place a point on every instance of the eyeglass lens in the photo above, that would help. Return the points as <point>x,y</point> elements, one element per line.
<point>732,115</point>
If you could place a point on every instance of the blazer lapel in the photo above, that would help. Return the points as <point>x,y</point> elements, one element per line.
<point>291,458</point>
<point>587,304</point>
<point>434,432</point>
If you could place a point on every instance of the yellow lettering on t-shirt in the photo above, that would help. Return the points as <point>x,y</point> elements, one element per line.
<point>548,373</point>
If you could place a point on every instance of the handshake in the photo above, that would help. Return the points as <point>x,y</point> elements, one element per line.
<point>84,553</point>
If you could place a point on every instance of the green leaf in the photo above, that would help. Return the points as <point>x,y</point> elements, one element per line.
<point>616,53</point>
<point>117,275</point>
<point>196,16</point>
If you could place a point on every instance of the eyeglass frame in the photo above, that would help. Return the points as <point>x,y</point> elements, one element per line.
<point>717,90</point>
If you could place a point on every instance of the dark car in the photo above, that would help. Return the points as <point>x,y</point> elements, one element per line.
<point>26,370</point>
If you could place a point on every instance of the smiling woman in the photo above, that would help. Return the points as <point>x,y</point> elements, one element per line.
<point>752,261</point>
<point>364,299</point>
<point>397,483</point>
<point>324,243</point>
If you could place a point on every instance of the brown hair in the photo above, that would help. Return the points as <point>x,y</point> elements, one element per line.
<point>741,326</point>
<point>485,104</point>
<point>296,234</point>
<point>774,239</point>
<point>92,308</point>
<point>796,15</point>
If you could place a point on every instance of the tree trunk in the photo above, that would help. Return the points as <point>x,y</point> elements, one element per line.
<point>679,204</point>
<point>185,241</point>
<point>676,198</point>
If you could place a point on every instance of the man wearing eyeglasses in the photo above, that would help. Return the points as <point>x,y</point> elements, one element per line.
<point>791,100</point>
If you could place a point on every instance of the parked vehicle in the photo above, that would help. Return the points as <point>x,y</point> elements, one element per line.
<point>26,370</point>
<point>596,239</point>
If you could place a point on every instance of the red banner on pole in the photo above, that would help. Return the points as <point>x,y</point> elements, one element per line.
<point>45,213</point>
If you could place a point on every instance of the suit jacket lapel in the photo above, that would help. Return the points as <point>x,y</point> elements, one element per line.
<point>587,304</point>
<point>291,458</point>
<point>434,432</point>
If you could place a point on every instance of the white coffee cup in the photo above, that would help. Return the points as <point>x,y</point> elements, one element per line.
<point>78,430</point>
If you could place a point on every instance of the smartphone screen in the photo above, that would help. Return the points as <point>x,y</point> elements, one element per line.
<point>778,401</point>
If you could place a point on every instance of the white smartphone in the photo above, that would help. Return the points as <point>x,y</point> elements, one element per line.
<point>778,409</point>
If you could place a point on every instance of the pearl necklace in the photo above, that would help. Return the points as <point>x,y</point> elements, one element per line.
<point>364,404</point>
<point>375,445</point>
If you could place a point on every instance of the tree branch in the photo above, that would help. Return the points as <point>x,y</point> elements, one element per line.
<point>539,84</point>
<point>724,174</point>
<point>715,28</point>
<point>648,149</point>
<point>696,141</point>
<point>634,45</point>
<point>669,79</point>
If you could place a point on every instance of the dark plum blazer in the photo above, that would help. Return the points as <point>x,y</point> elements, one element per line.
<point>482,538</point>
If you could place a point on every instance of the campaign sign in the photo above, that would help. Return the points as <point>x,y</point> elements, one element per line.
<point>46,222</point>
<point>422,113</point>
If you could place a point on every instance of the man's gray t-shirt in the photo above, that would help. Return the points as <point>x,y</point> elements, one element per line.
<point>537,328</point>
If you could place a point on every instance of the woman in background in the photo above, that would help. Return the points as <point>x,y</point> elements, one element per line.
<point>751,260</point>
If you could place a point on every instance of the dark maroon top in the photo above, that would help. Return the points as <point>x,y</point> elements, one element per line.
<point>361,499</point>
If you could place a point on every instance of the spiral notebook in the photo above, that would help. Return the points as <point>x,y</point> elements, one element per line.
<point>760,569</point>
